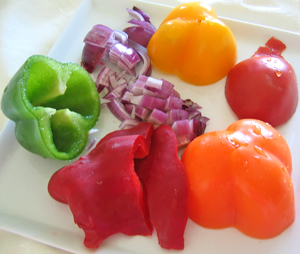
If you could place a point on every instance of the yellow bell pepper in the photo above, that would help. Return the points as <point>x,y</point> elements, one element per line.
<point>194,44</point>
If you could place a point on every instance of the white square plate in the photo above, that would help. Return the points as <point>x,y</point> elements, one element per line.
<point>25,205</point>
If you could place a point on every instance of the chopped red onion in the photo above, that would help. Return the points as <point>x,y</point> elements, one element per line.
<point>135,14</point>
<point>141,112</point>
<point>194,114</point>
<point>139,35</point>
<point>187,104</point>
<point>138,87</point>
<point>95,43</point>
<point>175,94</point>
<point>181,127</point>
<point>129,123</point>
<point>126,97</point>
<point>104,101</point>
<point>92,131</point>
<point>91,56</point>
<point>115,83</point>
<point>143,98</point>
<point>104,76</point>
<point>146,69</point>
<point>157,117</point>
<point>136,46</point>
<point>204,119</point>
<point>143,24</point>
<point>149,102</point>
<point>99,35</point>
<point>183,141</point>
<point>167,85</point>
<point>130,108</point>
<point>118,110</point>
<point>144,29</point>
<point>91,142</point>
<point>128,55</point>
<point>133,111</point>
<point>121,36</point>
<point>126,58</point>
<point>195,126</point>
<point>144,15</point>
<point>173,103</point>
<point>176,115</point>
<point>123,66</point>
<point>101,41</point>
<point>111,96</point>
<point>120,75</point>
<point>120,90</point>
<point>153,84</point>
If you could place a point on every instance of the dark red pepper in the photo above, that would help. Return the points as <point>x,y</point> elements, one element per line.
<point>264,86</point>
<point>165,188</point>
<point>102,189</point>
<point>105,194</point>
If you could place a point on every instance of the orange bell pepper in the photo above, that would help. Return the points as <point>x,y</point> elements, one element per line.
<point>241,177</point>
<point>194,44</point>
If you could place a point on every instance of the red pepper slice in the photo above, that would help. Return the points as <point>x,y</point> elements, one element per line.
<point>102,189</point>
<point>144,128</point>
<point>165,188</point>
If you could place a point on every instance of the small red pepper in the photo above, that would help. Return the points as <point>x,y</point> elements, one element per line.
<point>165,188</point>
<point>264,86</point>
<point>102,189</point>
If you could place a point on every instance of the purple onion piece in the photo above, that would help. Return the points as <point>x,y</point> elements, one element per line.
<point>181,127</point>
<point>149,102</point>
<point>173,103</point>
<point>143,24</point>
<point>176,115</point>
<point>135,14</point>
<point>145,15</point>
<point>153,84</point>
<point>99,35</point>
<point>143,30</point>
<point>118,110</point>
<point>126,97</point>
<point>157,117</point>
<point>121,36</point>
<point>103,76</point>
<point>139,35</point>
<point>129,123</point>
<point>147,68</point>
<point>126,58</point>
<point>141,112</point>
<point>184,140</point>
<point>91,57</point>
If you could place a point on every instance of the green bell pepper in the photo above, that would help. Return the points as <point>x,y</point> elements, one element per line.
<point>54,105</point>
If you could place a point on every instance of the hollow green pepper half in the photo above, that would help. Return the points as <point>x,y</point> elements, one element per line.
<point>54,105</point>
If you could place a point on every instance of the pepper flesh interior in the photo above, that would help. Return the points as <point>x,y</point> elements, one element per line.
<point>50,87</point>
<point>44,83</point>
<point>66,134</point>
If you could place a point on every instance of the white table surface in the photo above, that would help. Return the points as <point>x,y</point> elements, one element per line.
<point>30,27</point>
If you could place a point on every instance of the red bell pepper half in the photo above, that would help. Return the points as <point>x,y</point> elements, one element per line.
<point>165,188</point>
<point>102,189</point>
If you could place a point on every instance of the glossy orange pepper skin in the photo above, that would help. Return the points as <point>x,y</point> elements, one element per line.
<point>241,177</point>
<point>194,44</point>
